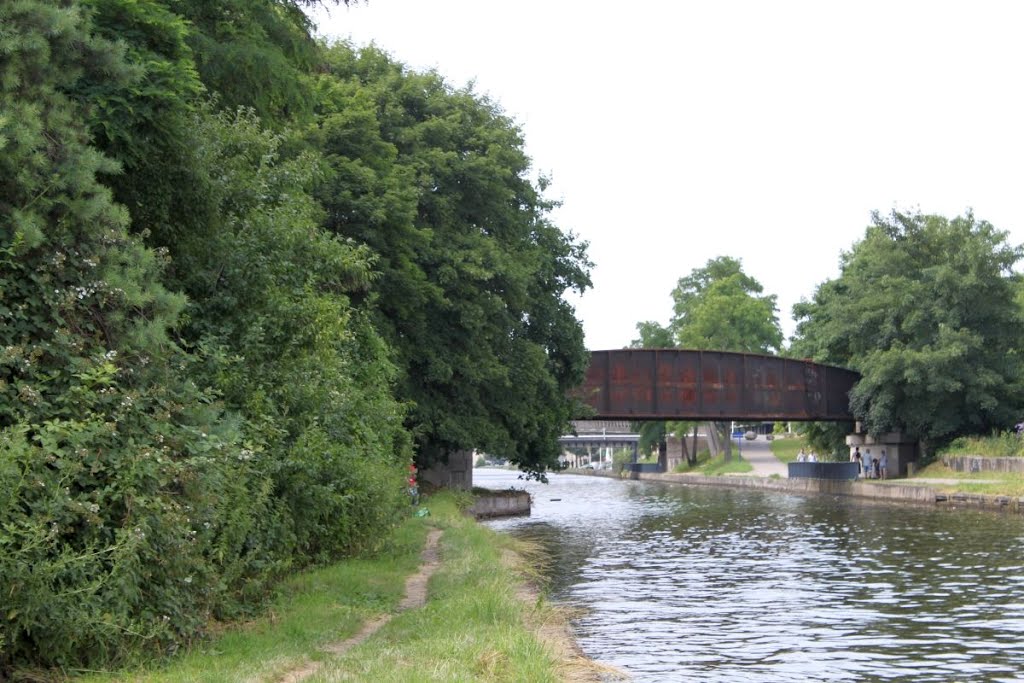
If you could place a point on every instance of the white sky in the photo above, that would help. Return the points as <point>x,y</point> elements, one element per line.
<point>676,132</point>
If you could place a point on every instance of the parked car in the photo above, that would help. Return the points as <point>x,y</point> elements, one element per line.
<point>750,436</point>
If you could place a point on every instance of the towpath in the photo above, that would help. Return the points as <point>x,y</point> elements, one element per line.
<point>759,454</point>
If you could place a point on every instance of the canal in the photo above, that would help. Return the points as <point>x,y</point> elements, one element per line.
<point>705,584</point>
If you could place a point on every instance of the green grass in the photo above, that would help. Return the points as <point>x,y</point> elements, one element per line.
<point>1006,444</point>
<point>311,609</point>
<point>718,466</point>
<point>991,483</point>
<point>474,627</point>
<point>787,449</point>
<point>711,467</point>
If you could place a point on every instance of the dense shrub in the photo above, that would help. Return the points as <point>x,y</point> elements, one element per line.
<point>103,442</point>
<point>148,486</point>
<point>221,334</point>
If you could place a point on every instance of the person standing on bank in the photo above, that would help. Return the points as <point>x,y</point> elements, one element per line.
<point>856,457</point>
<point>883,465</point>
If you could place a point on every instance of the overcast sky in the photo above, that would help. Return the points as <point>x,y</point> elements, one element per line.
<point>676,132</point>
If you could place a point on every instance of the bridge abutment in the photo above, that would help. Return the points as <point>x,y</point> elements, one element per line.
<point>456,473</point>
<point>900,450</point>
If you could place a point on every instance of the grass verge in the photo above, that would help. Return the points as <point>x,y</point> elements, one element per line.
<point>786,449</point>
<point>476,626</point>
<point>1005,445</point>
<point>718,466</point>
<point>711,467</point>
<point>311,609</point>
<point>991,483</point>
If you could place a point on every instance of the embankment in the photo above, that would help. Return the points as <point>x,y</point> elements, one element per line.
<point>378,619</point>
<point>889,492</point>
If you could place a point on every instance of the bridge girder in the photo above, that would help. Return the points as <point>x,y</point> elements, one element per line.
<point>682,384</point>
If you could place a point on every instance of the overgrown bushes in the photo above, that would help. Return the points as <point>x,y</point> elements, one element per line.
<point>230,307</point>
<point>146,487</point>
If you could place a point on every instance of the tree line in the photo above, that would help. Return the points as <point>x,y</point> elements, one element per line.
<point>928,309</point>
<point>246,277</point>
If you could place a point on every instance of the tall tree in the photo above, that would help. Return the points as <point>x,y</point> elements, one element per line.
<point>163,457</point>
<point>717,307</point>
<point>722,308</point>
<point>254,53</point>
<point>924,308</point>
<point>435,181</point>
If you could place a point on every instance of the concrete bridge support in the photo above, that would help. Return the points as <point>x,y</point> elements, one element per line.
<point>901,451</point>
<point>457,473</point>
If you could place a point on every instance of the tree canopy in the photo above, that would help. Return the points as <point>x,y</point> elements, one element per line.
<point>722,308</point>
<point>472,271</point>
<point>925,309</point>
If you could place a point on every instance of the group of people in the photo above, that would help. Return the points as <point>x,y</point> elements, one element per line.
<point>870,467</point>
<point>806,457</point>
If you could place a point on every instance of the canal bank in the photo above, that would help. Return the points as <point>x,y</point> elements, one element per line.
<point>906,493</point>
<point>445,598</point>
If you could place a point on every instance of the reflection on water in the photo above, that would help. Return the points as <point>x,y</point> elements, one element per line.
<point>686,583</point>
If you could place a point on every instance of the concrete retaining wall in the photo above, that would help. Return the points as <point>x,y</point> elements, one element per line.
<point>896,493</point>
<point>641,467</point>
<point>501,504</point>
<point>976,463</point>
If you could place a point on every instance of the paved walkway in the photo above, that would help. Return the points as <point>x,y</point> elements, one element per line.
<point>759,454</point>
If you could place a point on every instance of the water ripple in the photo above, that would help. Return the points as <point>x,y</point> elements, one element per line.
<point>684,583</point>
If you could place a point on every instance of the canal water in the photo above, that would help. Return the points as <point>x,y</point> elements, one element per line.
<point>680,583</point>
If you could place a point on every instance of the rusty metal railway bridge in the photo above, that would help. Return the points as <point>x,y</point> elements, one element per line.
<point>680,384</point>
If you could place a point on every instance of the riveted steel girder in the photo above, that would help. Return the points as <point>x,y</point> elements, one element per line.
<point>681,384</point>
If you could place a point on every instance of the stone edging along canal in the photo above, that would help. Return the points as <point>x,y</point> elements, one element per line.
<point>896,493</point>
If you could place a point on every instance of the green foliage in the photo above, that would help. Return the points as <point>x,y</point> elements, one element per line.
<point>826,437</point>
<point>924,309</point>
<point>476,626</point>
<point>652,436</point>
<point>148,489</point>
<point>143,121</point>
<point>720,307</point>
<point>271,320</point>
<point>435,181</point>
<point>621,456</point>
<point>201,387</point>
<point>253,53</point>
<point>998,445</point>
<point>653,336</point>
<point>702,457</point>
<point>108,455</point>
<point>717,307</point>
